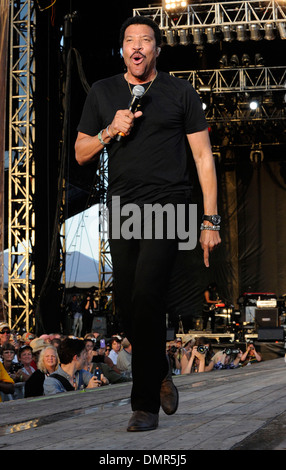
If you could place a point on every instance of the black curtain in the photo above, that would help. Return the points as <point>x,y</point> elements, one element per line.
<point>252,255</point>
<point>262,227</point>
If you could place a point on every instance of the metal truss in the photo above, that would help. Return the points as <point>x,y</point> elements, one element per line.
<point>105,274</point>
<point>238,86</point>
<point>237,80</point>
<point>218,14</point>
<point>21,213</point>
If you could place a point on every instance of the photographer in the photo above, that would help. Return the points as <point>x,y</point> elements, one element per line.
<point>227,359</point>
<point>175,356</point>
<point>201,357</point>
<point>250,356</point>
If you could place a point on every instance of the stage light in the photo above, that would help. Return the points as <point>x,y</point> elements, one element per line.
<point>245,60</point>
<point>184,37</point>
<point>269,33</point>
<point>171,39</point>
<point>253,105</point>
<point>172,5</point>
<point>210,35</point>
<point>258,60</point>
<point>223,61</point>
<point>227,33</point>
<point>282,30</point>
<point>240,33</point>
<point>197,36</point>
<point>234,62</point>
<point>255,33</point>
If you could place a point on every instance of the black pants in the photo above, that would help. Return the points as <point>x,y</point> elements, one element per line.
<point>141,273</point>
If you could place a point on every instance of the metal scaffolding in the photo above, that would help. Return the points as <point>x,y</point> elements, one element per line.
<point>230,14</point>
<point>105,274</point>
<point>21,191</point>
<point>230,91</point>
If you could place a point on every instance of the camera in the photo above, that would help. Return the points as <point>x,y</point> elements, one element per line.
<point>97,373</point>
<point>202,349</point>
<point>173,349</point>
<point>229,351</point>
<point>15,366</point>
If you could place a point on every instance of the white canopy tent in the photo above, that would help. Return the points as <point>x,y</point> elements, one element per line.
<point>81,270</point>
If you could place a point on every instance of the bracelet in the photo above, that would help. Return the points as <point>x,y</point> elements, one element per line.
<point>99,135</point>
<point>108,132</point>
<point>210,227</point>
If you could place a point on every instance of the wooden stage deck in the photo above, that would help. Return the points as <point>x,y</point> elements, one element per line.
<point>242,409</point>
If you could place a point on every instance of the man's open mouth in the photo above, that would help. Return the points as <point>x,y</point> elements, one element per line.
<point>137,58</point>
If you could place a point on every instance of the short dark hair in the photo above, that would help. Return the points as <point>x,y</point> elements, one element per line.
<point>69,348</point>
<point>141,20</point>
<point>8,347</point>
<point>24,348</point>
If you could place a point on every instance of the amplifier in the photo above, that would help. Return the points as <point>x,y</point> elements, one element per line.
<point>271,334</point>
<point>266,317</point>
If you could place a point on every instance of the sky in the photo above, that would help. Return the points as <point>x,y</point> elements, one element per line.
<point>82,233</point>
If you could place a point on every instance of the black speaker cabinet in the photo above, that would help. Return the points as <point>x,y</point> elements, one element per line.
<point>271,334</point>
<point>266,317</point>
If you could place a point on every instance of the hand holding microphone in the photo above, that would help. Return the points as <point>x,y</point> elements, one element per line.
<point>137,92</point>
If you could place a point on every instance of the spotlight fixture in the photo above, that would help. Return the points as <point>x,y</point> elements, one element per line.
<point>253,105</point>
<point>234,62</point>
<point>184,37</point>
<point>223,61</point>
<point>282,30</point>
<point>245,60</point>
<point>171,39</point>
<point>255,33</point>
<point>269,33</point>
<point>211,38</point>
<point>258,60</point>
<point>240,33</point>
<point>173,5</point>
<point>197,36</point>
<point>227,33</point>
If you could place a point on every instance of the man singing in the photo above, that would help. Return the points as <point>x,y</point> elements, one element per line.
<point>148,165</point>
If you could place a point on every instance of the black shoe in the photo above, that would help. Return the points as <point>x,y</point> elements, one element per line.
<point>143,421</point>
<point>169,395</point>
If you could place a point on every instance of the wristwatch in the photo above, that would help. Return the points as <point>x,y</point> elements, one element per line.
<point>214,219</point>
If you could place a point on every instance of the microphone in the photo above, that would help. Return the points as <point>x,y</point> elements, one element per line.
<point>137,92</point>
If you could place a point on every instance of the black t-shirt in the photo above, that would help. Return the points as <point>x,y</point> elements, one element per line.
<point>151,163</point>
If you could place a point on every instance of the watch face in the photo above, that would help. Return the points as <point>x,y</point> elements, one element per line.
<point>216,219</point>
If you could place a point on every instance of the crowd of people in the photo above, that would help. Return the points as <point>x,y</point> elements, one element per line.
<point>54,363</point>
<point>197,355</point>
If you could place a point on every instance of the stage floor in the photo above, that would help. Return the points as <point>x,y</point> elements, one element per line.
<point>238,409</point>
